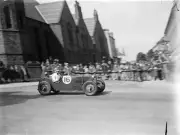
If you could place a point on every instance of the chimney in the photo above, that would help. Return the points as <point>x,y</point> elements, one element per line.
<point>106,29</point>
<point>78,12</point>
<point>95,15</point>
<point>111,34</point>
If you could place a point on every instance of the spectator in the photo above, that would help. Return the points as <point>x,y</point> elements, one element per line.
<point>104,66</point>
<point>17,72</point>
<point>2,64</point>
<point>43,65</point>
<point>85,69</point>
<point>81,69</point>
<point>50,60</point>
<point>91,69</point>
<point>2,68</point>
<point>24,75</point>
<point>115,69</point>
<point>98,67</point>
<point>47,63</point>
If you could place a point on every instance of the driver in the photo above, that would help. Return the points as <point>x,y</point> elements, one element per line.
<point>56,64</point>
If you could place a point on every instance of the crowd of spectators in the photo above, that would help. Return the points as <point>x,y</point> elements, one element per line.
<point>110,70</point>
<point>12,73</point>
<point>107,69</point>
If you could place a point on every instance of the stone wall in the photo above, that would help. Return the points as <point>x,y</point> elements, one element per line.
<point>12,59</point>
<point>10,47</point>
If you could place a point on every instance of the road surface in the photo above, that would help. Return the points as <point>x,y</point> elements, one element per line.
<point>125,108</point>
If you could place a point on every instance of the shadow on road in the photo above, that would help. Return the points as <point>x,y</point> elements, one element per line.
<point>104,93</point>
<point>11,98</point>
<point>69,93</point>
<point>79,93</point>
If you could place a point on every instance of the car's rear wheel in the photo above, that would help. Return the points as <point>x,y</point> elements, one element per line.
<point>44,88</point>
<point>90,88</point>
<point>100,85</point>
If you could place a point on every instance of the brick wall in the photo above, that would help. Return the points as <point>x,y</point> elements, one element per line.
<point>10,47</point>
<point>2,49</point>
<point>12,59</point>
<point>12,42</point>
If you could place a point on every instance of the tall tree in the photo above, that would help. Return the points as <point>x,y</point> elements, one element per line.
<point>141,57</point>
<point>150,55</point>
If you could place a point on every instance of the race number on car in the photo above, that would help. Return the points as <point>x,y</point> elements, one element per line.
<point>66,79</point>
<point>55,77</point>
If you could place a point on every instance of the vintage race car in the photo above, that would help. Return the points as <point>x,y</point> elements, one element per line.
<point>90,84</point>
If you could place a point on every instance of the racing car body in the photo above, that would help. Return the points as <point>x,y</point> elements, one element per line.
<point>89,84</point>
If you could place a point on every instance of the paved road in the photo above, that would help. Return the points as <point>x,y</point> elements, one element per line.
<point>125,108</point>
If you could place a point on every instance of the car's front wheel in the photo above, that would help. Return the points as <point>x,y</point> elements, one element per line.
<point>90,88</point>
<point>44,88</point>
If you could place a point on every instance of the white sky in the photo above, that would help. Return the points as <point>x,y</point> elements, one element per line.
<point>137,25</point>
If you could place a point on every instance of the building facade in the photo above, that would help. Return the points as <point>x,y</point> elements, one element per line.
<point>83,37</point>
<point>30,31</point>
<point>60,20</point>
<point>98,37</point>
<point>18,45</point>
<point>171,42</point>
<point>111,44</point>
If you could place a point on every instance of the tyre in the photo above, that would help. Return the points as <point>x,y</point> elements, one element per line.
<point>89,88</point>
<point>100,85</point>
<point>44,88</point>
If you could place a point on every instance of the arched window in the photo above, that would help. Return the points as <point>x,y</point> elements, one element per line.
<point>7,17</point>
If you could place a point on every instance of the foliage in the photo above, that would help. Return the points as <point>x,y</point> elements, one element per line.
<point>150,55</point>
<point>141,57</point>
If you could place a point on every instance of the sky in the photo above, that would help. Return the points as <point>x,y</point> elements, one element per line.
<point>137,25</point>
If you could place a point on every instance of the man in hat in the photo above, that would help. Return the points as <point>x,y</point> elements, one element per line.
<point>98,67</point>
<point>56,65</point>
<point>104,66</point>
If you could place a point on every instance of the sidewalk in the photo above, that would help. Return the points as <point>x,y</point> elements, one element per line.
<point>21,84</point>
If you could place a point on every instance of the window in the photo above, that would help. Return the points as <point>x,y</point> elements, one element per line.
<point>7,17</point>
